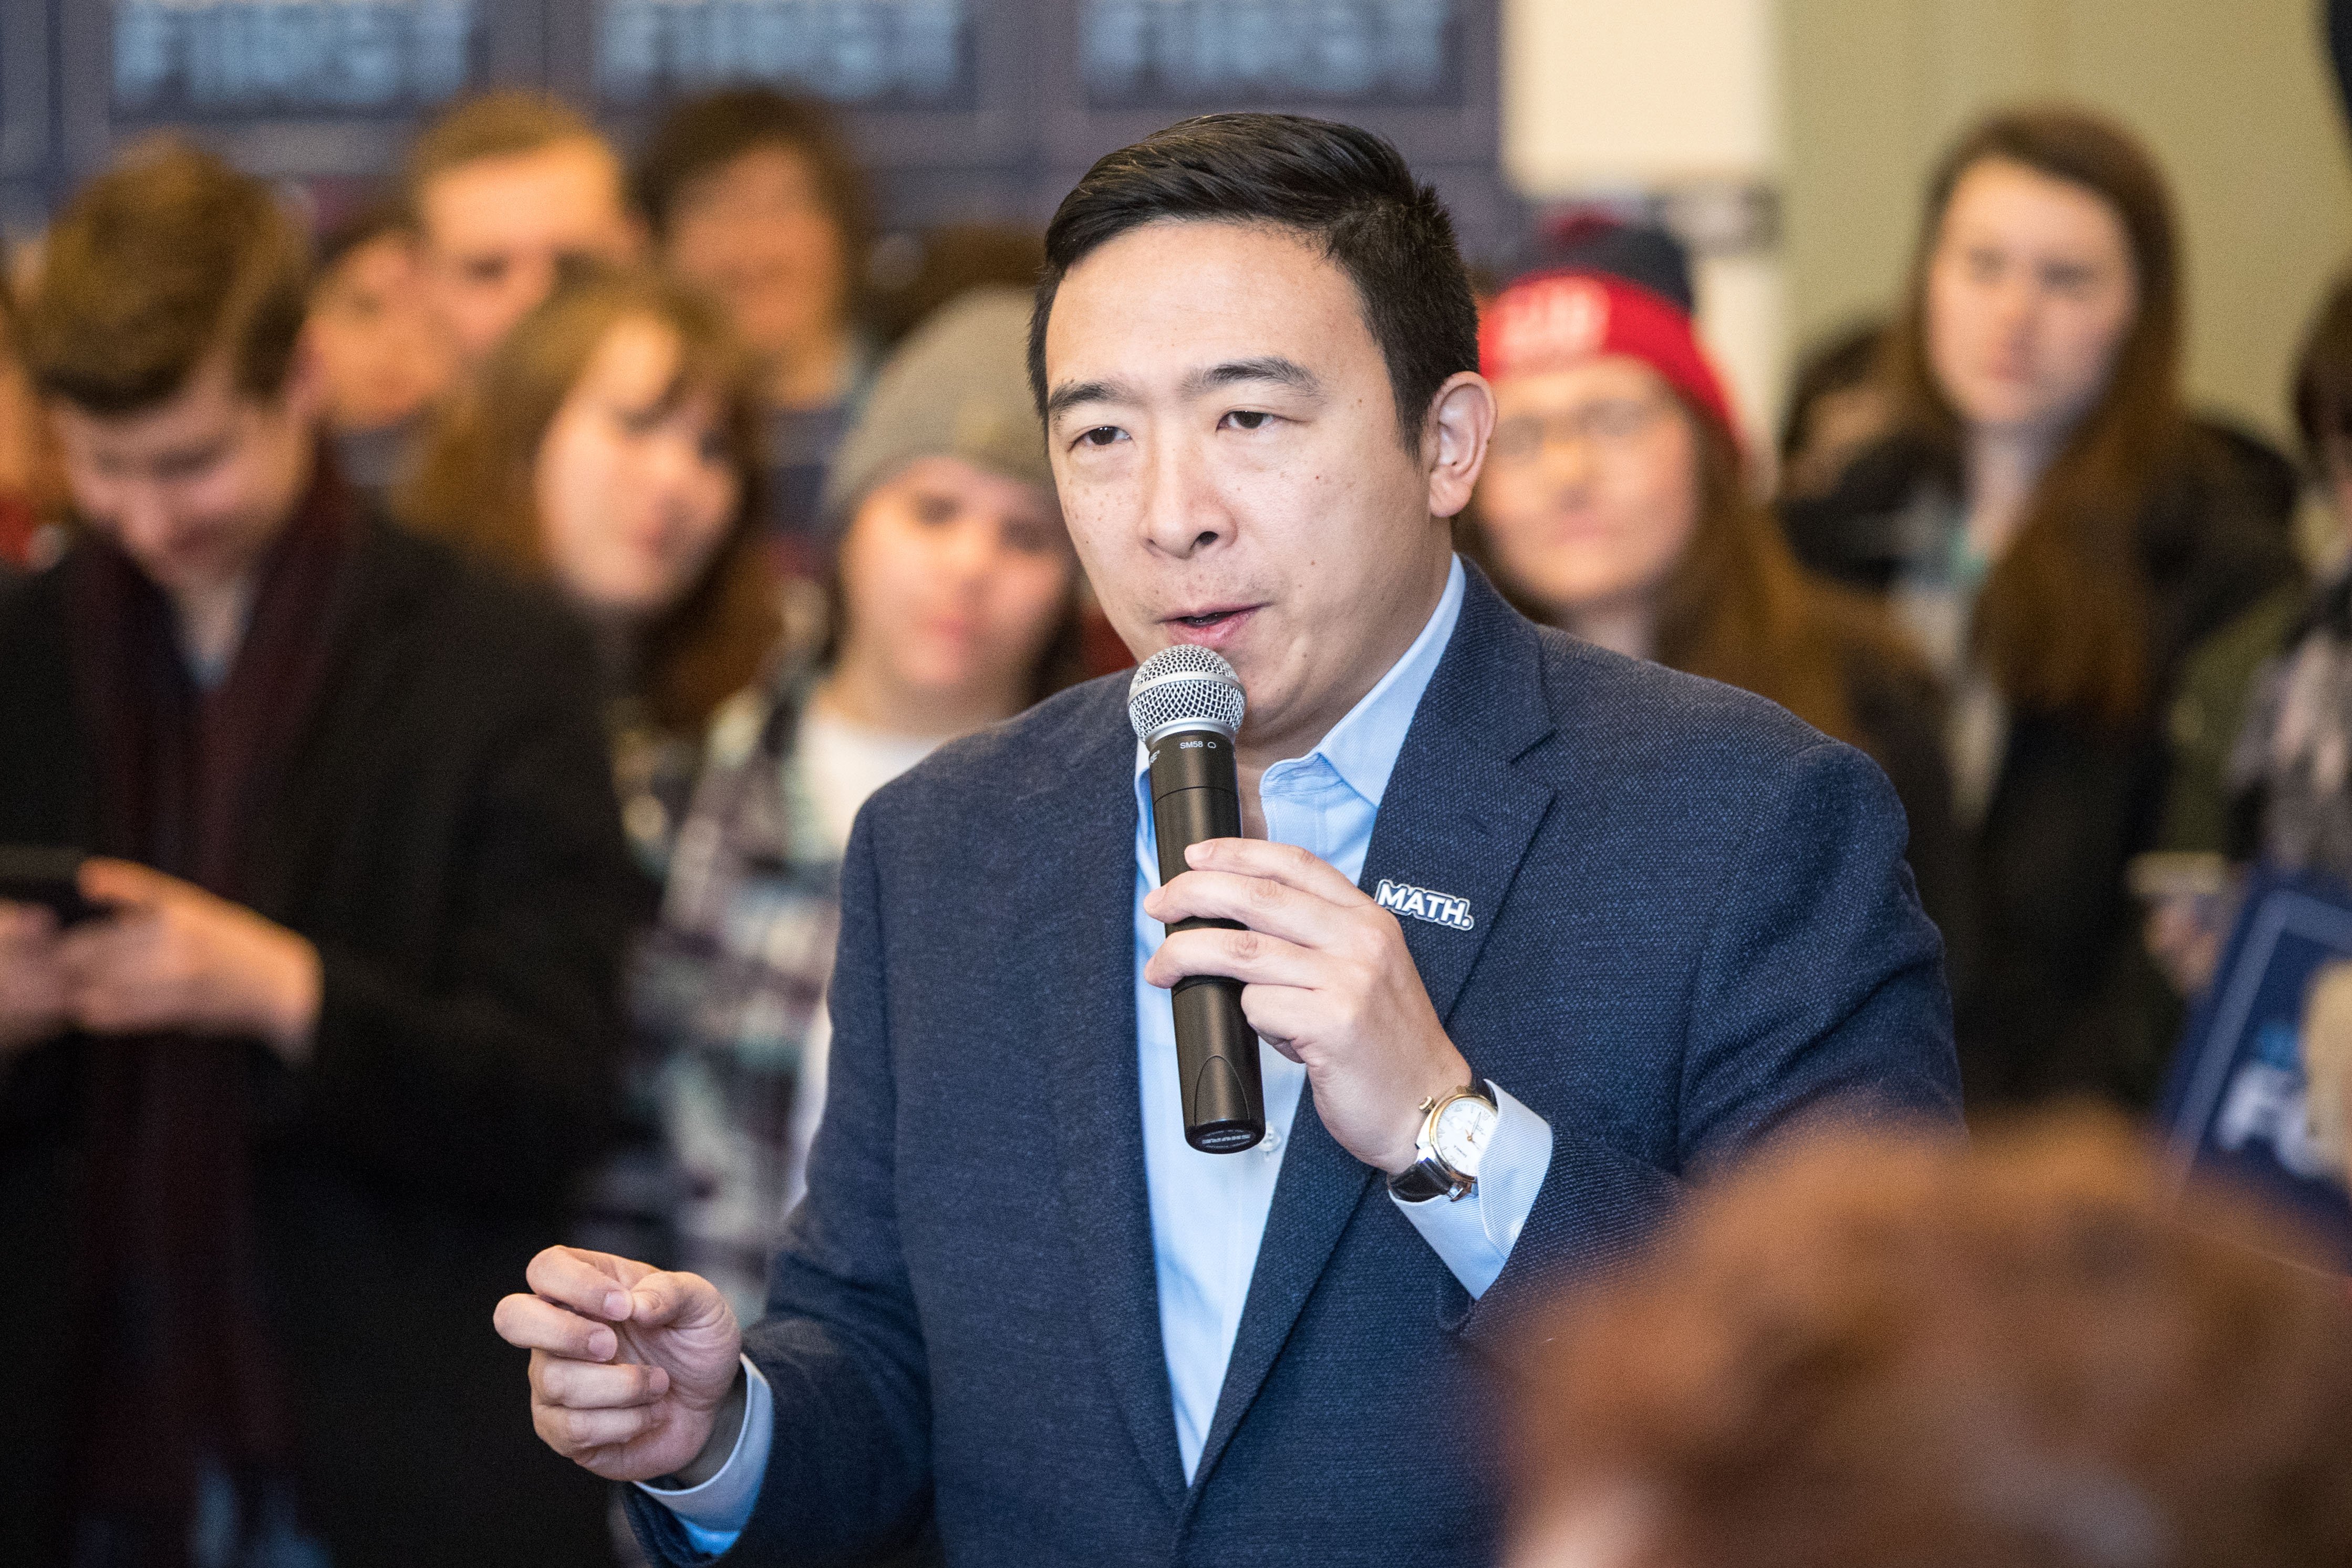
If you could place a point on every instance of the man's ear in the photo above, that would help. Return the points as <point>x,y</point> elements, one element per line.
<point>1454,442</point>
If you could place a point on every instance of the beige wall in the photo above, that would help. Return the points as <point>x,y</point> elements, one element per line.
<point>2233,95</point>
<point>1602,97</point>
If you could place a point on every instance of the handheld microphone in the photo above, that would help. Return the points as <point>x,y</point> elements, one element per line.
<point>1186,705</point>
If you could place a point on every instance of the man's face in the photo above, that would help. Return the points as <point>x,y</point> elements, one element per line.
<point>756,232</point>
<point>374,336</point>
<point>194,489</point>
<point>1224,438</point>
<point>495,228</point>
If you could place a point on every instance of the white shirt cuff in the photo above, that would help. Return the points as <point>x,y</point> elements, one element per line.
<point>1474,1234</point>
<point>714,1512</point>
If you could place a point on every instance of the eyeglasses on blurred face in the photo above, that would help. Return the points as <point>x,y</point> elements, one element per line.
<point>1609,424</point>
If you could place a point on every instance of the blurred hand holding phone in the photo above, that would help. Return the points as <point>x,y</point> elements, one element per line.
<point>113,947</point>
<point>40,896</point>
<point>46,877</point>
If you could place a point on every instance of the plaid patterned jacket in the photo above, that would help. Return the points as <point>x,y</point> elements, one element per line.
<point>728,998</point>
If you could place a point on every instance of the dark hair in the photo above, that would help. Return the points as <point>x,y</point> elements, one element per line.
<point>1844,360</point>
<point>157,266</point>
<point>2323,377</point>
<point>474,483</point>
<point>1345,188</point>
<point>702,134</point>
<point>386,216</point>
<point>915,275</point>
<point>2063,622</point>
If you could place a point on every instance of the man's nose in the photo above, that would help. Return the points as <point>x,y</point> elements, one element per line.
<point>1181,513</point>
<point>530,279</point>
<point>143,515</point>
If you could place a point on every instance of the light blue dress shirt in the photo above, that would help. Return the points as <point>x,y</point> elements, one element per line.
<point>1209,1211</point>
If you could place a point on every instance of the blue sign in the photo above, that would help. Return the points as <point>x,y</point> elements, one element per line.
<point>301,56</point>
<point>2234,1103</point>
<point>910,52</point>
<point>1185,52</point>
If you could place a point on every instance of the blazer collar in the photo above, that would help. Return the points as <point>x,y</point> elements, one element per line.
<point>1457,818</point>
<point>1081,962</point>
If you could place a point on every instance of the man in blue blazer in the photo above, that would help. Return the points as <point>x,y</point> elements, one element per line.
<point>1534,935</point>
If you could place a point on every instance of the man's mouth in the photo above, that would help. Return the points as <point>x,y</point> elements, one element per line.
<point>1210,628</point>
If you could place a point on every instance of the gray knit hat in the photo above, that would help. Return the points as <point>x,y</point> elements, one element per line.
<point>956,387</point>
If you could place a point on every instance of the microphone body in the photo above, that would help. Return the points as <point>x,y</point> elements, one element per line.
<point>1186,708</point>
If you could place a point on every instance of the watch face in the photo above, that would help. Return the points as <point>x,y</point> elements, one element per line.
<point>1462,1131</point>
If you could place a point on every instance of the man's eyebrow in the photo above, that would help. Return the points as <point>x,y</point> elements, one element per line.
<point>1269,367</point>
<point>1069,394</point>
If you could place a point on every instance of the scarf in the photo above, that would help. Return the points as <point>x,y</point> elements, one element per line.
<point>181,1382</point>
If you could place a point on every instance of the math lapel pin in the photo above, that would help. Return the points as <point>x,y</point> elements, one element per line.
<point>1423,904</point>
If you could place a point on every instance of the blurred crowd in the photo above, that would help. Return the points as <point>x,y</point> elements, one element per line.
<point>465,634</point>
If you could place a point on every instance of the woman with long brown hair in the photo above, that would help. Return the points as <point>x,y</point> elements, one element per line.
<point>610,447</point>
<point>2057,534</point>
<point>1615,505</point>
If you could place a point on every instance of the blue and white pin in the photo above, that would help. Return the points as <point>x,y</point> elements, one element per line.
<point>1423,904</point>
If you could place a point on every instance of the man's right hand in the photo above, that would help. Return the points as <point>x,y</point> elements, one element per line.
<point>634,1374</point>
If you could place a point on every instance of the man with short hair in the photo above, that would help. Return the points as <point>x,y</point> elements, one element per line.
<point>752,197</point>
<point>1646,921</point>
<point>503,187</point>
<point>338,1037</point>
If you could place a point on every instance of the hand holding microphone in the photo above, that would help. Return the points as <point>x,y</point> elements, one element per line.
<point>1186,705</point>
<point>1268,937</point>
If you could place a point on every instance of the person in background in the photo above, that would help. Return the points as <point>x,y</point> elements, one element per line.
<point>610,449</point>
<point>2056,536</point>
<point>1838,408</point>
<point>376,342</point>
<point>2029,1353</point>
<point>752,196</point>
<point>1614,505</point>
<point>954,605</point>
<point>503,188</point>
<point>342,1032</point>
<point>32,491</point>
<point>913,275</point>
<point>2263,710</point>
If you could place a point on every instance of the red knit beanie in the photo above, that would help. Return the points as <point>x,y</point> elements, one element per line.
<point>1549,321</point>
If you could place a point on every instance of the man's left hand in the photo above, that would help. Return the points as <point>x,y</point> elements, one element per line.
<point>172,956</point>
<point>1326,979</point>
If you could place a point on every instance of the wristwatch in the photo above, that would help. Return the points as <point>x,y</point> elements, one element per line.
<point>1455,1132</point>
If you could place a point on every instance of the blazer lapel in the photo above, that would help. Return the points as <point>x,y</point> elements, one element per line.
<point>1086,968</point>
<point>1455,819</point>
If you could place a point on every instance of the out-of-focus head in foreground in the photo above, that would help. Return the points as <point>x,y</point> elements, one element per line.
<point>2029,1350</point>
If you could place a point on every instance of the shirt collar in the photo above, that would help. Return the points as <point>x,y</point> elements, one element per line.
<point>1362,747</point>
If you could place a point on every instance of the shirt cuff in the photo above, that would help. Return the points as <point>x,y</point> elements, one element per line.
<point>714,1513</point>
<point>1474,1234</point>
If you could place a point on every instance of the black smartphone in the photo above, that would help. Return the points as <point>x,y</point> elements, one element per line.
<point>47,874</point>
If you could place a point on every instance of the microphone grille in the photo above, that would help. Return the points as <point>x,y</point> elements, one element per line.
<point>1183,683</point>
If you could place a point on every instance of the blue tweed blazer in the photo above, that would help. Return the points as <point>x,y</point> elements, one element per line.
<point>1694,923</point>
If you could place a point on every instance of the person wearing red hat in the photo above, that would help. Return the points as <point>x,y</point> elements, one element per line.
<point>1614,505</point>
